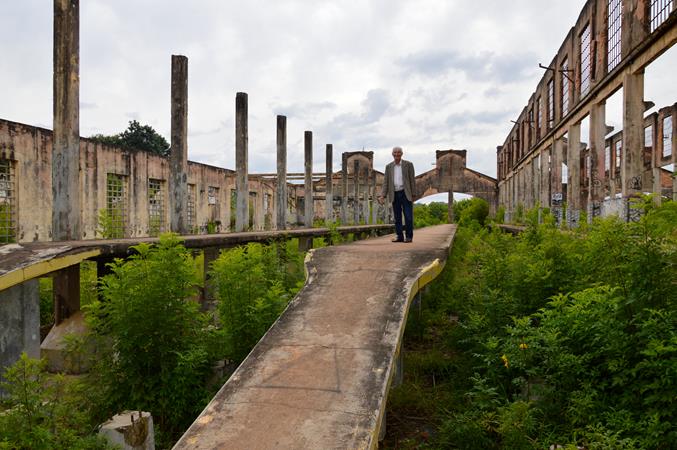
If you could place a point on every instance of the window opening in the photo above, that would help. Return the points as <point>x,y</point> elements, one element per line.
<point>156,207</point>
<point>566,87</point>
<point>667,136</point>
<point>586,60</point>
<point>7,202</point>
<point>539,118</point>
<point>660,11</point>
<point>614,29</point>
<point>116,206</point>
<point>191,215</point>
<point>551,104</point>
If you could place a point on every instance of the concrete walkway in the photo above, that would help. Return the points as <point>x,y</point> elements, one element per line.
<point>319,378</point>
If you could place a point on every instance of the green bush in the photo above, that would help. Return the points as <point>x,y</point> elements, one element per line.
<point>434,213</point>
<point>157,347</point>
<point>571,334</point>
<point>253,285</point>
<point>42,412</point>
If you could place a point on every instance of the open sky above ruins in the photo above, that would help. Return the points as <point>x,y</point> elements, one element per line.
<point>422,74</point>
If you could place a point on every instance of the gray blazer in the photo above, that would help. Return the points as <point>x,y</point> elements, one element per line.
<point>408,178</point>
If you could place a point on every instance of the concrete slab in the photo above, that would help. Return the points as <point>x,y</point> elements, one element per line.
<point>319,378</point>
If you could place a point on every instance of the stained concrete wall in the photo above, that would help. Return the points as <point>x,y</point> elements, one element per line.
<point>29,148</point>
<point>19,323</point>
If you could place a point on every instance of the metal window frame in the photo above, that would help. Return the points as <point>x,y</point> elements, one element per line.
<point>667,137</point>
<point>117,205</point>
<point>660,10</point>
<point>8,202</point>
<point>156,206</point>
<point>614,33</point>
<point>585,52</point>
<point>566,87</point>
<point>191,207</point>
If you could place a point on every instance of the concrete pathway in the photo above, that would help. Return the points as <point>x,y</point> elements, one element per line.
<point>319,378</point>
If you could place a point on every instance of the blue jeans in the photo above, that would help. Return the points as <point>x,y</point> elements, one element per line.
<point>402,205</point>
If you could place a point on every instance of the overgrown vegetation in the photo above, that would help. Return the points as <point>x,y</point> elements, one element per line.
<point>551,337</point>
<point>136,137</point>
<point>156,348</point>
<point>434,213</point>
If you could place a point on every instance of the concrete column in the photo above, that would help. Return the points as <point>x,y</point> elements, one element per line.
<point>374,201</point>
<point>633,137</point>
<point>66,217</point>
<point>308,184</point>
<point>557,195</point>
<point>365,196</point>
<point>329,197</point>
<point>66,291</point>
<point>597,146</point>
<point>450,206</point>
<point>241,161</point>
<point>19,323</point>
<point>281,204</point>
<point>178,158</point>
<point>574,175</point>
<point>356,190</point>
<point>544,189</point>
<point>305,244</point>
<point>344,189</point>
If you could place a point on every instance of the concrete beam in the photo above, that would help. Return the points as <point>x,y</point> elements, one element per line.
<point>66,217</point>
<point>329,197</point>
<point>308,184</point>
<point>178,157</point>
<point>281,204</point>
<point>241,161</point>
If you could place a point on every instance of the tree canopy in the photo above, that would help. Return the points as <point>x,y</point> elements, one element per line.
<point>137,137</point>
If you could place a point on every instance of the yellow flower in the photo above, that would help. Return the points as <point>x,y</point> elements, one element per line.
<point>506,363</point>
<point>523,346</point>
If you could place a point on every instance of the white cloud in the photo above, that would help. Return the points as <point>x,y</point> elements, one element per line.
<point>425,74</point>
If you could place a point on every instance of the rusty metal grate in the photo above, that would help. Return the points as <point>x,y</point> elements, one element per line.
<point>614,30</point>
<point>191,211</point>
<point>156,207</point>
<point>551,104</point>
<point>660,11</point>
<point>7,202</point>
<point>566,87</point>
<point>116,206</point>
<point>586,60</point>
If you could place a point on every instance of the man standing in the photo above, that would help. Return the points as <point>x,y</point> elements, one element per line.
<point>399,187</point>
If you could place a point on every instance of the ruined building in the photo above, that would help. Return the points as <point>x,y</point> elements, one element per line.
<point>546,162</point>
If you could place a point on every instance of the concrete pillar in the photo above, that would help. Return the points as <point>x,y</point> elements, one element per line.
<point>344,189</point>
<point>597,147</point>
<point>365,196</point>
<point>178,158</point>
<point>241,161</point>
<point>374,201</point>
<point>633,137</point>
<point>574,175</point>
<point>557,194</point>
<point>66,292</point>
<point>356,190</point>
<point>305,244</point>
<point>281,204</point>
<point>329,196</point>
<point>450,207</point>
<point>19,323</point>
<point>544,189</point>
<point>308,183</point>
<point>66,217</point>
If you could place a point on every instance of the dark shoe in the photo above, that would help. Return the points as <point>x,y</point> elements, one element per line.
<point>397,240</point>
<point>408,241</point>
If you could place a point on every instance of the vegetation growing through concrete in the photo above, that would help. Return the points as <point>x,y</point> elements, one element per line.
<point>552,337</point>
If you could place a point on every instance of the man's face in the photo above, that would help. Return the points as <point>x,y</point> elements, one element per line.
<point>397,156</point>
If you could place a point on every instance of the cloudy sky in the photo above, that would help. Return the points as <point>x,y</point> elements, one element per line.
<point>422,74</point>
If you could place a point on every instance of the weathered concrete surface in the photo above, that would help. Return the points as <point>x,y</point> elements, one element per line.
<point>55,348</point>
<point>19,323</point>
<point>21,262</point>
<point>178,157</point>
<point>242,160</point>
<point>319,378</point>
<point>130,430</point>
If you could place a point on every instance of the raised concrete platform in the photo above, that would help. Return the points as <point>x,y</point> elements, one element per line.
<point>319,378</point>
